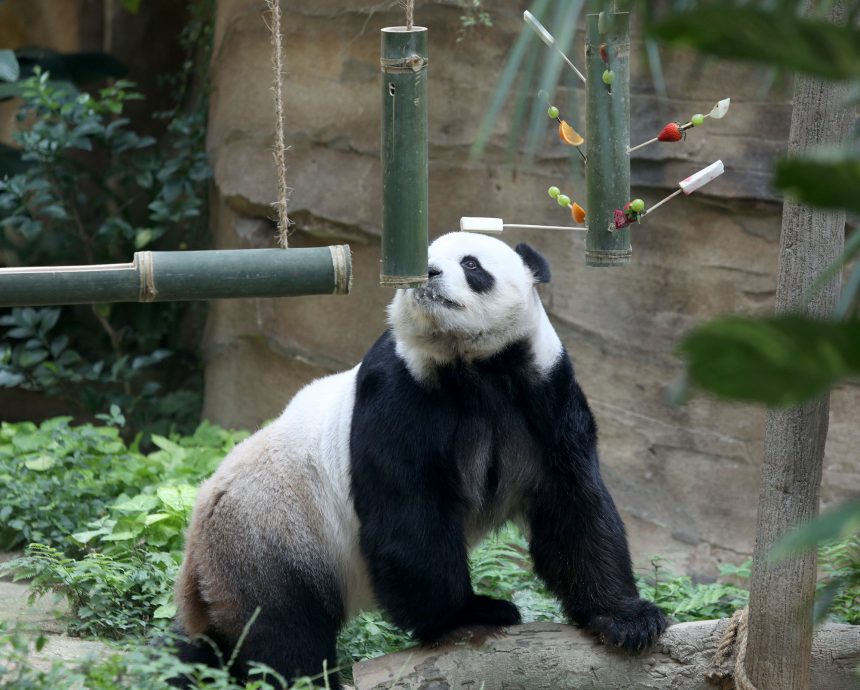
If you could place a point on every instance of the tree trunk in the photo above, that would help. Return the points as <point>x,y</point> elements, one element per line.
<point>551,656</point>
<point>781,594</point>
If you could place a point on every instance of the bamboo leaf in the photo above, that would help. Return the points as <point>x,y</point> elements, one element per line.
<point>829,178</point>
<point>835,524</point>
<point>506,82</point>
<point>778,361</point>
<point>775,37</point>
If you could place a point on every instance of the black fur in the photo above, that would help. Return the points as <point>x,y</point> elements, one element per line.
<point>295,629</point>
<point>479,279</point>
<point>536,262</point>
<point>408,445</point>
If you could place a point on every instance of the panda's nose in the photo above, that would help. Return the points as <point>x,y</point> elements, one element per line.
<point>433,271</point>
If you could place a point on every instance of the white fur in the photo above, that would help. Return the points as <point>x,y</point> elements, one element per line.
<point>430,333</point>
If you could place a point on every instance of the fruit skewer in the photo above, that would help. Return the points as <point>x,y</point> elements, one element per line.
<point>675,131</point>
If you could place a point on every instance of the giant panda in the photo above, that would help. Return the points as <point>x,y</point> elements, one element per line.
<point>370,488</point>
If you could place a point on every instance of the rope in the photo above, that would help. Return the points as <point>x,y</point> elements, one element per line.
<point>410,14</point>
<point>734,639</point>
<point>280,147</point>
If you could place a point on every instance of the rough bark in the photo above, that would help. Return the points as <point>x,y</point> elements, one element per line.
<point>781,594</point>
<point>548,656</point>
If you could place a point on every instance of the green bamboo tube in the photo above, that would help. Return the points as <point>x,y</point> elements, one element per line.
<point>178,276</point>
<point>607,174</point>
<point>404,157</point>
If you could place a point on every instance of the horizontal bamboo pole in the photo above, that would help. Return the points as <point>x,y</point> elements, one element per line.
<point>178,276</point>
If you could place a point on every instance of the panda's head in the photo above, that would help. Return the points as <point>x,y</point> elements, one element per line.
<point>480,297</point>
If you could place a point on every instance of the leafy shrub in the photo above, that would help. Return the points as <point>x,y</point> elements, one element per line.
<point>683,600</point>
<point>87,188</point>
<point>59,479</point>
<point>134,509</point>
<point>839,587</point>
<point>137,668</point>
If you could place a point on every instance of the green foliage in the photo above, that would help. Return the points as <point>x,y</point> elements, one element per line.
<point>128,512</point>
<point>839,588</point>
<point>501,567</point>
<point>136,668</point>
<point>59,478</point>
<point>779,361</point>
<point>85,187</point>
<point>56,477</point>
<point>827,178</point>
<point>773,36</point>
<point>108,596</point>
<point>684,600</point>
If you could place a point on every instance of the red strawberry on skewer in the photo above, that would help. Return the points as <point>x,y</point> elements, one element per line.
<point>672,132</point>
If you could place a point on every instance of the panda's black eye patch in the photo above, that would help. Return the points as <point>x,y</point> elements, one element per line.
<point>476,275</point>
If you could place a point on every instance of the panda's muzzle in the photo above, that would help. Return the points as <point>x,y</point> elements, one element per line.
<point>429,294</point>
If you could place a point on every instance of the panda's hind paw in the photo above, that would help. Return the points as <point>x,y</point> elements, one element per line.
<point>635,626</point>
<point>483,610</point>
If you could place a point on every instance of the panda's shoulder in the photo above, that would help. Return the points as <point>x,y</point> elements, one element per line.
<point>383,368</point>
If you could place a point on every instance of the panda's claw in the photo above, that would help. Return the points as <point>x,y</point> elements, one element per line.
<point>634,627</point>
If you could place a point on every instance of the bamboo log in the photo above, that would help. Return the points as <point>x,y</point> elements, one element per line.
<point>607,173</point>
<point>175,276</point>
<point>551,656</point>
<point>404,157</point>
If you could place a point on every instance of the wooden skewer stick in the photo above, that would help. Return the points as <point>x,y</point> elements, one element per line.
<point>718,112</point>
<point>690,184</point>
<point>549,39</point>
<point>496,225</point>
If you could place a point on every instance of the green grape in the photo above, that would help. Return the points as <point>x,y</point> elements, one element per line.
<point>608,77</point>
<point>697,119</point>
<point>552,112</point>
<point>637,205</point>
<point>563,200</point>
<point>553,192</point>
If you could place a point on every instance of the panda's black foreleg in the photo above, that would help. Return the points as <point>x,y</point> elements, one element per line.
<point>418,564</point>
<point>579,549</point>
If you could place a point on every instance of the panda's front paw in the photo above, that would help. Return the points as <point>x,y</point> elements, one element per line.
<point>635,625</point>
<point>481,610</point>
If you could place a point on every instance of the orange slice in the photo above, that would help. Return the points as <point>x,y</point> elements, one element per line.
<point>569,135</point>
<point>577,212</point>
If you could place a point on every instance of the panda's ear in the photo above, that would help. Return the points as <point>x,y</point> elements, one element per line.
<point>536,262</point>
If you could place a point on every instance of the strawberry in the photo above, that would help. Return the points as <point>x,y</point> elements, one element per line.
<point>604,53</point>
<point>671,132</point>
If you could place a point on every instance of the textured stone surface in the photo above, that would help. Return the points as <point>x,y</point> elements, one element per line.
<point>686,479</point>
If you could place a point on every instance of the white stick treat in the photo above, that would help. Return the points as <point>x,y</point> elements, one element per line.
<point>701,178</point>
<point>475,224</point>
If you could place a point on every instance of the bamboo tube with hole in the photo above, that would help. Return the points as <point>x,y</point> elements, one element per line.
<point>177,276</point>
<point>607,173</point>
<point>404,157</point>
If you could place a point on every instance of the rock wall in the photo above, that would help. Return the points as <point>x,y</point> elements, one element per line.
<point>685,478</point>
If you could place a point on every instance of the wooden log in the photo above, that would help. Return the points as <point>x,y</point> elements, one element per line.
<point>175,276</point>
<point>550,656</point>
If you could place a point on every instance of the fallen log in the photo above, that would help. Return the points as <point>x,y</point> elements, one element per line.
<point>551,656</point>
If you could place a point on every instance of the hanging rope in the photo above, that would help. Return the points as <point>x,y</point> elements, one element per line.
<point>280,147</point>
<point>410,14</point>
<point>721,673</point>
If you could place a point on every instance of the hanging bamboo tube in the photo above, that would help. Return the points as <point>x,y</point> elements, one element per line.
<point>404,157</point>
<point>607,173</point>
<point>177,276</point>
